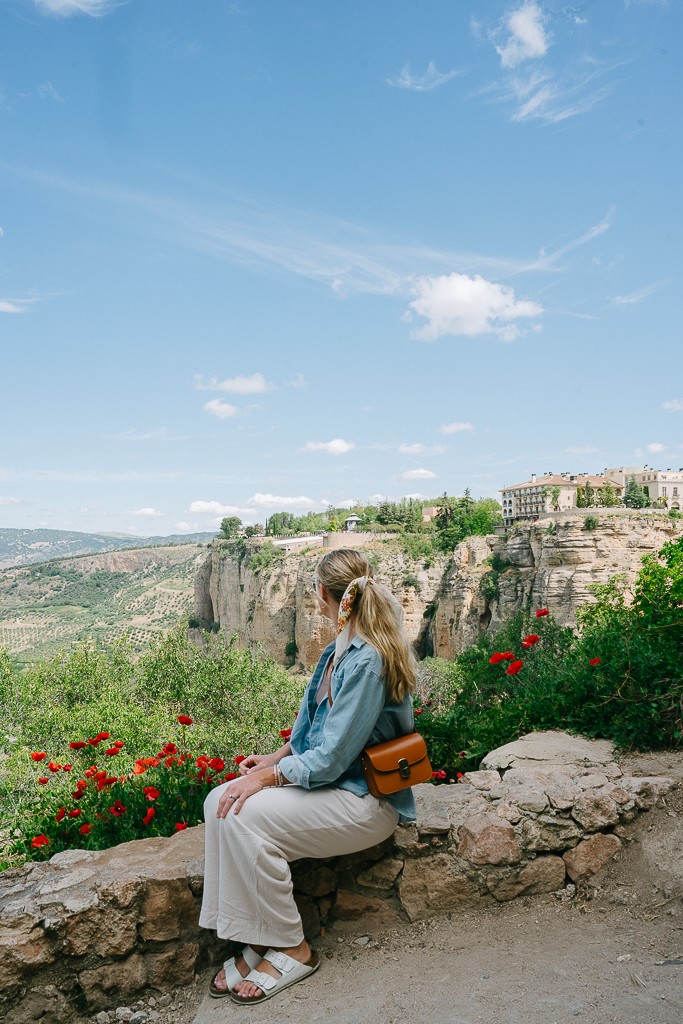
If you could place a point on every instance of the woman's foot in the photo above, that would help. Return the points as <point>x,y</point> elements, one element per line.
<point>241,965</point>
<point>302,953</point>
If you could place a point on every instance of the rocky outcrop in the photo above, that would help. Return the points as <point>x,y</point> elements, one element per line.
<point>97,929</point>
<point>275,606</point>
<point>546,564</point>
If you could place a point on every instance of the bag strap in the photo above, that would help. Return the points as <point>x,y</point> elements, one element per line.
<point>329,678</point>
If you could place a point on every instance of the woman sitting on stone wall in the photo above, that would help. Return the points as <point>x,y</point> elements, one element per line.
<point>309,798</point>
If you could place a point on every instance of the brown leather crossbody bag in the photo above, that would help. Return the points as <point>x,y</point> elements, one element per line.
<point>394,765</point>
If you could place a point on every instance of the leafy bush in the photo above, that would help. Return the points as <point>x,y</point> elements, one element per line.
<point>591,523</point>
<point>620,677</point>
<point>239,701</point>
<point>268,555</point>
<point>417,546</point>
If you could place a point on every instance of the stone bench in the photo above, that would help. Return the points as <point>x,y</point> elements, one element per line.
<point>98,928</point>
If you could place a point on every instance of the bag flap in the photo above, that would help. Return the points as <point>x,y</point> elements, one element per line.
<point>385,756</point>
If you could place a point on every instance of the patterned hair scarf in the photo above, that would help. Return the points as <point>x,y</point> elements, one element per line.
<point>346,607</point>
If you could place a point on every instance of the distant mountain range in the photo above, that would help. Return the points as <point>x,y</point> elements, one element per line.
<point>23,547</point>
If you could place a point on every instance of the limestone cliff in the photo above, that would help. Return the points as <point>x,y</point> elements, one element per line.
<point>551,565</point>
<point>275,606</point>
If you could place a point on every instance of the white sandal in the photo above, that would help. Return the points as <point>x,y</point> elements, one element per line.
<point>232,975</point>
<point>291,972</point>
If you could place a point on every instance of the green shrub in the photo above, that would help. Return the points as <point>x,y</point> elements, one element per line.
<point>267,555</point>
<point>591,523</point>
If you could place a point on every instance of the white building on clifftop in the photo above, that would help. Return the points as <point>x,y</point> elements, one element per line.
<point>526,501</point>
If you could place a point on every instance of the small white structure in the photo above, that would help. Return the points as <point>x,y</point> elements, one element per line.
<point>352,522</point>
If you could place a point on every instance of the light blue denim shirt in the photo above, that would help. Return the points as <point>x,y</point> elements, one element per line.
<point>326,742</point>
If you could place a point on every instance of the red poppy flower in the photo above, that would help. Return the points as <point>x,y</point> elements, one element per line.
<point>118,808</point>
<point>60,814</point>
<point>152,762</point>
<point>139,768</point>
<point>418,711</point>
<point>85,830</point>
<point>171,748</point>
<point>99,775</point>
<point>508,655</point>
<point>238,760</point>
<point>459,775</point>
<point>77,745</point>
<point>439,775</point>
<point>112,752</point>
<point>39,841</point>
<point>77,811</point>
<point>595,661</point>
<point>463,753</point>
<point>151,792</point>
<point>530,640</point>
<point>184,720</point>
<point>103,735</point>
<point>119,744</point>
<point>496,658</point>
<point>38,756</point>
<point>230,776</point>
<point>67,767</point>
<point>541,612</point>
<point>514,668</point>
<point>217,764</point>
<point>43,782</point>
<point>90,772</point>
<point>95,742</point>
<point>148,817</point>
<point>180,826</point>
<point>103,783</point>
<point>285,733</point>
<point>170,761</point>
<point>54,767</point>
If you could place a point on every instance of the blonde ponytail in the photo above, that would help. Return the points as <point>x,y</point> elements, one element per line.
<point>374,618</point>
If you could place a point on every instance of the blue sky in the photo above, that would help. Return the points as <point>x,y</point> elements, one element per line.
<point>268,255</point>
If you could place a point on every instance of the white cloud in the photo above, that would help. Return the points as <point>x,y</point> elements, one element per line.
<point>275,501</point>
<point>527,37</point>
<point>623,300</point>
<point>430,80</point>
<point>186,527</point>
<point>416,495</point>
<point>151,435</point>
<point>146,513</point>
<point>418,449</point>
<point>655,448</point>
<point>453,428</point>
<point>65,8</point>
<point>10,501</point>
<point>336,447</point>
<point>48,89</point>
<point>581,451</point>
<point>461,305</point>
<point>223,410</point>
<point>675,405</point>
<point>418,474</point>
<point>215,508</point>
<point>349,503</point>
<point>10,307</point>
<point>376,499</point>
<point>298,382</point>
<point>254,385</point>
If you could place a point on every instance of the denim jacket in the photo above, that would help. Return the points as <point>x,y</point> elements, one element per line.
<point>326,742</point>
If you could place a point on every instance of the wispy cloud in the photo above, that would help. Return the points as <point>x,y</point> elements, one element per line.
<point>10,501</point>
<point>419,449</point>
<point>461,305</point>
<point>254,385</point>
<point>223,410</point>
<point>65,8</point>
<point>655,448</point>
<point>418,474</point>
<point>216,508</point>
<point>145,513</point>
<point>151,435</point>
<point>10,307</point>
<point>525,34</point>
<point>336,447</point>
<point>642,293</point>
<point>298,382</point>
<point>266,501</point>
<point>422,83</point>
<point>675,405</point>
<point>454,428</point>
<point>587,450</point>
<point>48,90</point>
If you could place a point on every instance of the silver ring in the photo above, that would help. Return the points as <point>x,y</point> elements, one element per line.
<point>232,796</point>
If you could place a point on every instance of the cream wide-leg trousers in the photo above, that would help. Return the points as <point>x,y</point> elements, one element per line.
<point>247,881</point>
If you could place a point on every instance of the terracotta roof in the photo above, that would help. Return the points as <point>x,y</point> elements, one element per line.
<point>557,480</point>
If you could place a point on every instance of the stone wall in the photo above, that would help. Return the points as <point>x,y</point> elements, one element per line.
<point>96,929</point>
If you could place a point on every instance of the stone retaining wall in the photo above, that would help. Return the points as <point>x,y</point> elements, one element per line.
<point>89,930</point>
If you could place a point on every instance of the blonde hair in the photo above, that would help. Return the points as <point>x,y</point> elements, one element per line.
<point>374,619</point>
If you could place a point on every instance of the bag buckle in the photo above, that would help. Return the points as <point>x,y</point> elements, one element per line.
<point>404,768</point>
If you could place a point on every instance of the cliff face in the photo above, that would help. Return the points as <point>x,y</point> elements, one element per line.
<point>276,606</point>
<point>549,568</point>
<point>446,607</point>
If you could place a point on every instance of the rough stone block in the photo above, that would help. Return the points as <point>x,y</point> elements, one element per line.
<point>548,833</point>
<point>528,799</point>
<point>381,875</point>
<point>593,781</point>
<point>110,983</point>
<point>310,915</point>
<point>488,839</point>
<point>590,855</point>
<point>101,930</point>
<point>315,881</point>
<point>432,885</point>
<point>371,913</point>
<point>173,967</point>
<point>481,780</point>
<point>433,826</point>
<point>545,874</point>
<point>595,810</point>
<point>168,903</point>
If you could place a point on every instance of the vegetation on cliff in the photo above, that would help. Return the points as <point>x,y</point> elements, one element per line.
<point>620,677</point>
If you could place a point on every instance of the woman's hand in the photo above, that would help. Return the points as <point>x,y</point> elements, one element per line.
<point>257,762</point>
<point>240,790</point>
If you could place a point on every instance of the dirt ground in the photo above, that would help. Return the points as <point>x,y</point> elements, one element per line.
<point>594,959</point>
